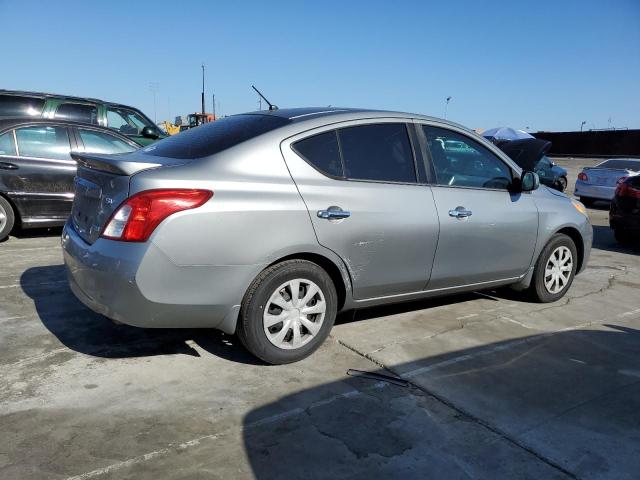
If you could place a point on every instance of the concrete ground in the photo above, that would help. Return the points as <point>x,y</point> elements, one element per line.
<point>499,388</point>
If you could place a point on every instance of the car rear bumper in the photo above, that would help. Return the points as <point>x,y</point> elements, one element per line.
<point>594,191</point>
<point>136,284</point>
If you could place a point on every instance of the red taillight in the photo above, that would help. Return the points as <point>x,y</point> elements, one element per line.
<point>136,219</point>
<point>583,176</point>
<point>624,189</point>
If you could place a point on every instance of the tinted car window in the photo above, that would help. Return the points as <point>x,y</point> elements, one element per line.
<point>20,106</point>
<point>378,152</point>
<point>460,161</point>
<point>625,164</point>
<point>322,152</point>
<point>214,137</point>
<point>126,121</point>
<point>7,146</point>
<point>43,142</point>
<point>78,112</point>
<point>101,142</point>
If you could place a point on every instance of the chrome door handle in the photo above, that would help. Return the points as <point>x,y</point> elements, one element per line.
<point>460,212</point>
<point>333,213</point>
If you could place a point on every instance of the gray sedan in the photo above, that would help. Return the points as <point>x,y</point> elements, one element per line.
<point>267,224</point>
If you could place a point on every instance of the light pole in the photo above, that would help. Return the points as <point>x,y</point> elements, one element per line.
<point>583,124</point>
<point>446,106</point>
<point>153,86</point>
<point>203,89</point>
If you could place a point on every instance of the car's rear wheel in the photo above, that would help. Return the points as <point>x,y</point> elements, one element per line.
<point>287,312</point>
<point>555,269</point>
<point>7,218</point>
<point>561,184</point>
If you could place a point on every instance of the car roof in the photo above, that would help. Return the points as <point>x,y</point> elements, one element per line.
<point>307,114</point>
<point>8,123</point>
<point>65,97</point>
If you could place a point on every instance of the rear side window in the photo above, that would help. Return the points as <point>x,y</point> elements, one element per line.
<point>7,146</point>
<point>78,112</point>
<point>215,137</point>
<point>101,142</point>
<point>379,152</point>
<point>20,106</point>
<point>322,152</point>
<point>43,142</point>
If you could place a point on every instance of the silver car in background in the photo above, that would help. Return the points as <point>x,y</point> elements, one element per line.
<point>600,182</point>
<point>267,224</point>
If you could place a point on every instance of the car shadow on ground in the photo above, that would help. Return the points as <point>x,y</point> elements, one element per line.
<point>572,397</point>
<point>603,239</point>
<point>84,331</point>
<point>37,232</point>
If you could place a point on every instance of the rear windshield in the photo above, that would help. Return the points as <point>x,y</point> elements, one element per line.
<point>20,106</point>
<point>214,137</point>
<point>623,164</point>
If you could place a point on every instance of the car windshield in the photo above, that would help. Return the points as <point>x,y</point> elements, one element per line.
<point>126,121</point>
<point>624,164</point>
<point>213,137</point>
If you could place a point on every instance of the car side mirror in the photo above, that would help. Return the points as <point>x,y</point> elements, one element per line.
<point>529,181</point>
<point>149,132</point>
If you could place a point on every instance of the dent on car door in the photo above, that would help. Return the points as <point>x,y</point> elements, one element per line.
<point>487,233</point>
<point>44,187</point>
<point>366,204</point>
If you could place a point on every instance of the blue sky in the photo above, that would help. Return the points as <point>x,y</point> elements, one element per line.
<point>546,65</point>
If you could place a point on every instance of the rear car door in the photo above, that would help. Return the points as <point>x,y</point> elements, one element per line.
<point>366,203</point>
<point>43,186</point>
<point>487,233</point>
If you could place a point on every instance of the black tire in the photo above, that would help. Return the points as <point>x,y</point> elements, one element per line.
<point>538,290</point>
<point>7,218</point>
<point>561,184</point>
<point>623,236</point>
<point>250,329</point>
<point>587,201</point>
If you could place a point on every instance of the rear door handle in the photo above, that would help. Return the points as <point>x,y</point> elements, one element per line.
<point>460,212</point>
<point>8,166</point>
<point>333,213</point>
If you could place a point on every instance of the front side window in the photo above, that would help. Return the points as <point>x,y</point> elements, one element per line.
<point>459,161</point>
<point>43,142</point>
<point>380,152</point>
<point>322,152</point>
<point>20,106</point>
<point>101,142</point>
<point>126,121</point>
<point>77,112</point>
<point>7,145</point>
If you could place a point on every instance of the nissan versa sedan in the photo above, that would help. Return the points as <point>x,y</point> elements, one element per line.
<point>599,182</point>
<point>267,224</point>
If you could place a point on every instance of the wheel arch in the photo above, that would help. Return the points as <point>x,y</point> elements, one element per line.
<point>574,234</point>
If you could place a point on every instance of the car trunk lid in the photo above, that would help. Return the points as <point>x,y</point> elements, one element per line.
<point>102,184</point>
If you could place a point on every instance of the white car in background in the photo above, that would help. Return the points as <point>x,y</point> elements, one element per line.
<point>599,182</point>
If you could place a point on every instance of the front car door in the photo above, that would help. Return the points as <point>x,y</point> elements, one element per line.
<point>487,233</point>
<point>42,186</point>
<point>361,188</point>
<point>91,140</point>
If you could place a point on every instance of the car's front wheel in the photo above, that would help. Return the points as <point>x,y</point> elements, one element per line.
<point>555,269</point>
<point>7,218</point>
<point>561,184</point>
<point>287,311</point>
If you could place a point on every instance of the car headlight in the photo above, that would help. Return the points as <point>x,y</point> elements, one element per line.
<point>580,207</point>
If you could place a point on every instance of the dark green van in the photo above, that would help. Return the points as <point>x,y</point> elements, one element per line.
<point>127,120</point>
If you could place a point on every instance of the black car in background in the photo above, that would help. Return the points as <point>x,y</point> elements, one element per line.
<point>126,120</point>
<point>37,171</point>
<point>624,213</point>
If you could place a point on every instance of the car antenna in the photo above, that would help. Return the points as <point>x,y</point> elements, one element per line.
<point>271,105</point>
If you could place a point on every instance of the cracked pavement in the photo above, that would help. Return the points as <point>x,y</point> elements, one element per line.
<point>499,387</point>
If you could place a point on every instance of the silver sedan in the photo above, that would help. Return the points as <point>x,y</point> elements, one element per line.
<point>600,182</point>
<point>267,224</point>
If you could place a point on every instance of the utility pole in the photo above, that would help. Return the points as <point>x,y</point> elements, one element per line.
<point>153,86</point>
<point>584,122</point>
<point>203,88</point>
<point>213,102</point>
<point>446,106</point>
